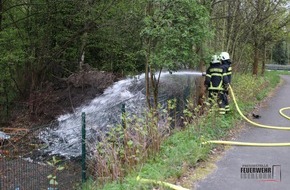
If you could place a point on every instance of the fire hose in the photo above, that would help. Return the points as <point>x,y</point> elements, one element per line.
<point>255,124</point>
<point>175,187</point>
<point>165,184</point>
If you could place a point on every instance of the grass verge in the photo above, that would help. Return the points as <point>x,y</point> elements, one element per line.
<point>183,151</point>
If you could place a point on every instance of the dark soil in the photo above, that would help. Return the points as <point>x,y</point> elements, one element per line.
<point>42,108</point>
<point>63,96</point>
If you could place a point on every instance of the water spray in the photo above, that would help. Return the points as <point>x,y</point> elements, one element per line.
<point>187,72</point>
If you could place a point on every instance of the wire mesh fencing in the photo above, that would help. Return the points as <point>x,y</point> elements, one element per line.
<point>99,142</point>
<point>22,174</point>
<point>24,166</point>
<point>132,133</point>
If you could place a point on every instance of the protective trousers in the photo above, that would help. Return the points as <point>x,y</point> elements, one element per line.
<point>220,98</point>
<point>227,105</point>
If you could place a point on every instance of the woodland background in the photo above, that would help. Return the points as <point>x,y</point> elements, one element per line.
<point>57,54</point>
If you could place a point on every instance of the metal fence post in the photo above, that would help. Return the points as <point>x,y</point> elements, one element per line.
<point>186,94</point>
<point>123,115</point>
<point>83,147</point>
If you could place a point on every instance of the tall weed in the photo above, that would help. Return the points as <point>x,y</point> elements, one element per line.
<point>123,147</point>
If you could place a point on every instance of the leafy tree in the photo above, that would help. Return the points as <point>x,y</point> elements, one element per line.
<point>45,40</point>
<point>114,46</point>
<point>280,54</point>
<point>172,28</point>
<point>12,56</point>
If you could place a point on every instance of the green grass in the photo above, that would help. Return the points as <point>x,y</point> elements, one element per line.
<point>184,148</point>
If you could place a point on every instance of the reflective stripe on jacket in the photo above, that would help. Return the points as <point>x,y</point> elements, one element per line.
<point>216,77</point>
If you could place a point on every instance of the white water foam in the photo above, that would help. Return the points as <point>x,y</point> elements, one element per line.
<point>104,111</point>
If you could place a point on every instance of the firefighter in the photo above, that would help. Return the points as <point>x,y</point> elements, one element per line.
<point>216,82</point>
<point>226,62</point>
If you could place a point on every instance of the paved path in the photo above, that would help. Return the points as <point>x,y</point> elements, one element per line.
<point>227,176</point>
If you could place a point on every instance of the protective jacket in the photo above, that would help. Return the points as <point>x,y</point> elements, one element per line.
<point>228,72</point>
<point>216,77</point>
<point>228,69</point>
<point>216,82</point>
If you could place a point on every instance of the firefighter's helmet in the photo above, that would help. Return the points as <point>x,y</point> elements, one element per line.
<point>215,59</point>
<point>224,56</point>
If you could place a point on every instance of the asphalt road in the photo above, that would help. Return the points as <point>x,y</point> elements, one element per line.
<point>233,169</point>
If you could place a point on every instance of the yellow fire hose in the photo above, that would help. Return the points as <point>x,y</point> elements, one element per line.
<point>255,124</point>
<point>175,187</point>
<point>281,112</point>
<point>247,143</point>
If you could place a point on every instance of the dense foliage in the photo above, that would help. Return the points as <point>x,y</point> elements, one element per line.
<point>46,40</point>
<point>280,55</point>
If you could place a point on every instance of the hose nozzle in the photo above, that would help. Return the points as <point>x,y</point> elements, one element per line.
<point>203,74</point>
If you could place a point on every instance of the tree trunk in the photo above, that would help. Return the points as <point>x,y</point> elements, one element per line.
<point>148,11</point>
<point>84,35</point>
<point>256,59</point>
<point>153,87</point>
<point>82,51</point>
<point>147,80</point>
<point>200,88</point>
<point>264,60</point>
